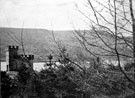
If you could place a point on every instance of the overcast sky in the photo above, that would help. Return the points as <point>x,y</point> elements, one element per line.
<point>48,14</point>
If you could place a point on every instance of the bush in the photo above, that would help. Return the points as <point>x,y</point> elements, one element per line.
<point>7,85</point>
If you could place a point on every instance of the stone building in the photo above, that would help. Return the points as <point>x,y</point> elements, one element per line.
<point>16,61</point>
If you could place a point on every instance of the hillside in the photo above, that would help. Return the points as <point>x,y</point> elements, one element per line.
<point>39,42</point>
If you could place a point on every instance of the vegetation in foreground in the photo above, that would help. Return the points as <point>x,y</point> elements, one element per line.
<point>68,81</point>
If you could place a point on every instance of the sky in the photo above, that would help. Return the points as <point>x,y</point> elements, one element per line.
<point>47,14</point>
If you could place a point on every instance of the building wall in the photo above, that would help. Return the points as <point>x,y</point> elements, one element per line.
<point>15,61</point>
<point>37,66</point>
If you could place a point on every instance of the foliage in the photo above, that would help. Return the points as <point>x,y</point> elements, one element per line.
<point>7,85</point>
<point>68,81</point>
<point>103,82</point>
<point>129,66</point>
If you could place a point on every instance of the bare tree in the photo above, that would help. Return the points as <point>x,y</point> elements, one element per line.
<point>133,31</point>
<point>112,33</point>
<point>63,51</point>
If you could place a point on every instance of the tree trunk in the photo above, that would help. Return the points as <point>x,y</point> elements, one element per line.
<point>133,33</point>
